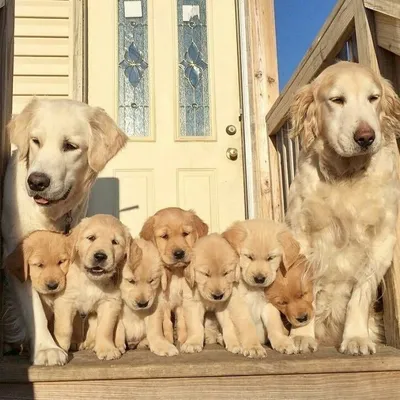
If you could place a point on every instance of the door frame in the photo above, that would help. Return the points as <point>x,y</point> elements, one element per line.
<point>258,72</point>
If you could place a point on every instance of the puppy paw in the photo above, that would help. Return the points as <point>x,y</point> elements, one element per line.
<point>284,345</point>
<point>87,345</point>
<point>234,349</point>
<point>254,352</point>
<point>143,344</point>
<point>165,349</point>
<point>191,347</point>
<point>107,353</point>
<point>54,356</point>
<point>305,344</point>
<point>358,346</point>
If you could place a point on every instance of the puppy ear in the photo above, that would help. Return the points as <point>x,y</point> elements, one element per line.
<point>147,232</point>
<point>105,141</point>
<point>17,262</point>
<point>18,129</point>
<point>73,239</point>
<point>164,280</point>
<point>390,110</point>
<point>135,252</point>
<point>303,116</point>
<point>235,236</point>
<point>190,274</point>
<point>291,249</point>
<point>199,225</point>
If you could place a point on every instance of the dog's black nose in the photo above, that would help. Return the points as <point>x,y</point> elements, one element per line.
<point>142,304</point>
<point>100,256</point>
<point>259,279</point>
<point>302,318</point>
<point>52,285</point>
<point>38,181</point>
<point>364,136</point>
<point>179,254</point>
<point>218,296</point>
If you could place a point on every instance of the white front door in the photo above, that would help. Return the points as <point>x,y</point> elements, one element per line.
<point>167,71</point>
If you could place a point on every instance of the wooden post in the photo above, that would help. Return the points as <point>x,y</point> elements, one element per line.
<point>371,55</point>
<point>264,90</point>
<point>6,88</point>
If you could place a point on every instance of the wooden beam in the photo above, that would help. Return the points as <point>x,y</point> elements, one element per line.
<point>388,32</point>
<point>6,85</point>
<point>358,385</point>
<point>263,89</point>
<point>78,50</point>
<point>336,30</point>
<point>388,7</point>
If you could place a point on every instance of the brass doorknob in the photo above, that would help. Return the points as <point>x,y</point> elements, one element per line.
<point>232,153</point>
<point>230,130</point>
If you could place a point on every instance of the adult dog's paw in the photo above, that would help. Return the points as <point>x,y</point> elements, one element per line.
<point>191,347</point>
<point>164,349</point>
<point>254,352</point>
<point>107,352</point>
<point>284,345</point>
<point>143,344</point>
<point>54,356</point>
<point>358,346</point>
<point>305,344</point>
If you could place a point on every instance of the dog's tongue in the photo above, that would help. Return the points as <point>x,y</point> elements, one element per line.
<point>41,200</point>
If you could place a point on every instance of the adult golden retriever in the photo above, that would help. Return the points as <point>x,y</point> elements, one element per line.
<point>344,200</point>
<point>61,147</point>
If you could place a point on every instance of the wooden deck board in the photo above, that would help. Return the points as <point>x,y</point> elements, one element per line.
<point>212,362</point>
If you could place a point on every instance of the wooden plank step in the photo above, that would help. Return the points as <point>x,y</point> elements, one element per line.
<point>214,361</point>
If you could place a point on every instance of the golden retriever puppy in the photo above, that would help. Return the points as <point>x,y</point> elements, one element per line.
<point>292,293</point>
<point>213,275</point>
<point>143,278</point>
<point>174,232</point>
<point>264,247</point>
<point>100,251</point>
<point>44,258</point>
<point>343,203</point>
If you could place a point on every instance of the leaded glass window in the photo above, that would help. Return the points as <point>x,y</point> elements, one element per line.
<point>194,109</point>
<point>133,74</point>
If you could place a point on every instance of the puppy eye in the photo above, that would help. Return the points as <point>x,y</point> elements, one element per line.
<point>40,265</point>
<point>61,262</point>
<point>227,273</point>
<point>164,236</point>
<point>92,238</point>
<point>338,100</point>
<point>151,280</point>
<point>270,258</point>
<point>282,303</point>
<point>67,146</point>
<point>132,281</point>
<point>250,257</point>
<point>114,242</point>
<point>185,234</point>
<point>36,141</point>
<point>205,274</point>
<point>373,98</point>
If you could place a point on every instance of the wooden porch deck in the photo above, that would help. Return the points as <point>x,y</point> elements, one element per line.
<point>212,374</point>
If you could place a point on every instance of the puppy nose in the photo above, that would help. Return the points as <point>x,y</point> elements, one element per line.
<point>100,256</point>
<point>259,279</point>
<point>52,285</point>
<point>38,181</point>
<point>142,304</point>
<point>302,318</point>
<point>217,296</point>
<point>364,136</point>
<point>179,254</point>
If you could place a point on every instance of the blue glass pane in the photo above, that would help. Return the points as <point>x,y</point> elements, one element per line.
<point>133,72</point>
<point>193,68</point>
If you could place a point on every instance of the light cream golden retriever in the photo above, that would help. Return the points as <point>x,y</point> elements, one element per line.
<point>61,147</point>
<point>99,254</point>
<point>344,199</point>
<point>141,322</point>
<point>213,275</point>
<point>174,232</point>
<point>264,247</point>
